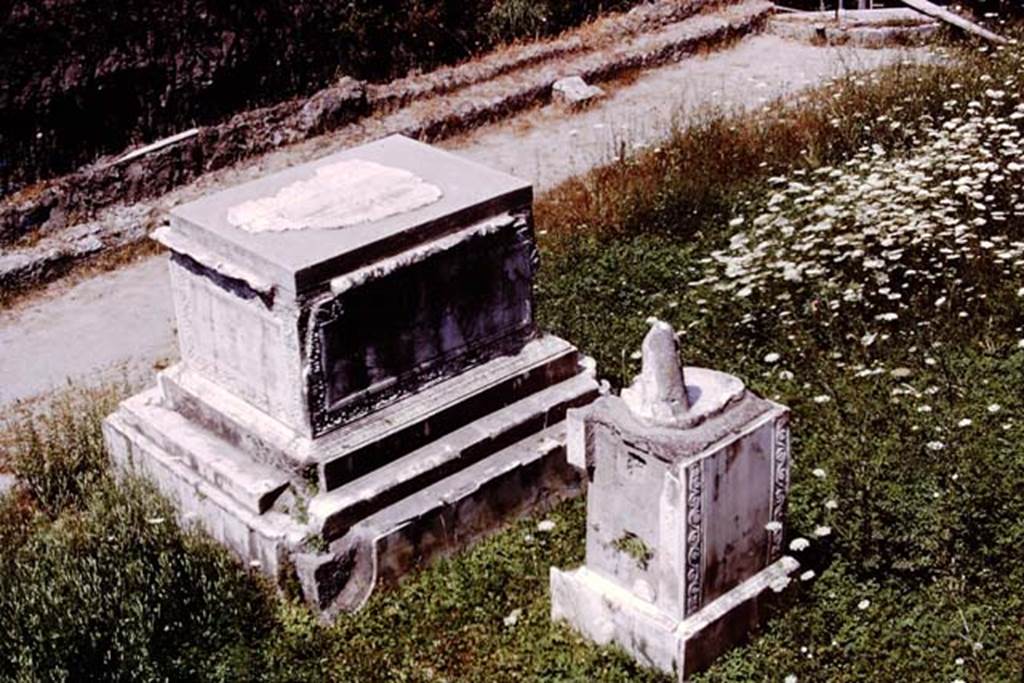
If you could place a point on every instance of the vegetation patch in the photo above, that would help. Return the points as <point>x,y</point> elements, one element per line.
<point>633,545</point>
<point>875,286</point>
<point>97,581</point>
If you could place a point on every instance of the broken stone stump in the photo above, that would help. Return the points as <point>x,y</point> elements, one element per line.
<point>575,93</point>
<point>362,386</point>
<point>685,502</point>
<point>7,483</point>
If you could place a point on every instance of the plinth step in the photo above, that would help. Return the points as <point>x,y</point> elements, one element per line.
<point>264,541</point>
<point>334,512</point>
<point>371,442</point>
<point>253,484</point>
<point>529,476</point>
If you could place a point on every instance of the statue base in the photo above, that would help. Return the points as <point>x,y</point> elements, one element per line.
<point>607,613</point>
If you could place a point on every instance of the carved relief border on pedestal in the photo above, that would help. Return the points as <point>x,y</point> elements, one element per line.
<point>780,484</point>
<point>323,313</point>
<point>694,536</point>
<point>518,249</point>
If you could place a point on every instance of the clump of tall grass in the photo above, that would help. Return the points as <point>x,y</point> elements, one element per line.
<point>58,454</point>
<point>97,581</point>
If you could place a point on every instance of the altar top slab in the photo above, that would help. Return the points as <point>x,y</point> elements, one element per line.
<point>302,226</point>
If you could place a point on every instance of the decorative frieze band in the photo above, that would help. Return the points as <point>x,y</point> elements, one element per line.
<point>780,485</point>
<point>694,536</point>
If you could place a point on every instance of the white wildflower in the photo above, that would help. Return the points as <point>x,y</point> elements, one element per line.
<point>863,604</point>
<point>545,525</point>
<point>772,358</point>
<point>821,531</point>
<point>799,544</point>
<point>818,472</point>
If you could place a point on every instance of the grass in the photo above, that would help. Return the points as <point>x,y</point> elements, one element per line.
<point>96,580</point>
<point>874,284</point>
<point>98,583</point>
<point>693,180</point>
<point>868,274</point>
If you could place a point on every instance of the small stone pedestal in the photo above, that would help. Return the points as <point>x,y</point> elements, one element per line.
<point>362,386</point>
<point>688,476</point>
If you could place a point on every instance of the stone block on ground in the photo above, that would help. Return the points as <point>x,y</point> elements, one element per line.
<point>575,93</point>
<point>874,28</point>
<point>7,483</point>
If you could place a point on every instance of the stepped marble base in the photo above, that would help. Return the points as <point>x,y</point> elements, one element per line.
<point>373,500</point>
<point>606,613</point>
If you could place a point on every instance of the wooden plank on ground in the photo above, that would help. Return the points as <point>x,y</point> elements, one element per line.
<point>936,12</point>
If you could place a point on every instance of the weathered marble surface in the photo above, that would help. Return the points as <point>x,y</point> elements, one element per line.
<point>324,338</point>
<point>658,394</point>
<point>682,506</point>
<point>299,260</point>
<point>339,195</point>
<point>608,613</point>
<point>362,387</point>
<point>411,322</point>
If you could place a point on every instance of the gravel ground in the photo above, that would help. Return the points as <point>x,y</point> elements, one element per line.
<point>548,147</point>
<point>120,325</point>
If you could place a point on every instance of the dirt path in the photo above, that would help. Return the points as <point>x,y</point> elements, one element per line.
<point>548,147</point>
<point>121,324</point>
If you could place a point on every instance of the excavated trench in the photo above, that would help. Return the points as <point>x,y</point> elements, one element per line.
<point>119,198</point>
<point>82,78</point>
